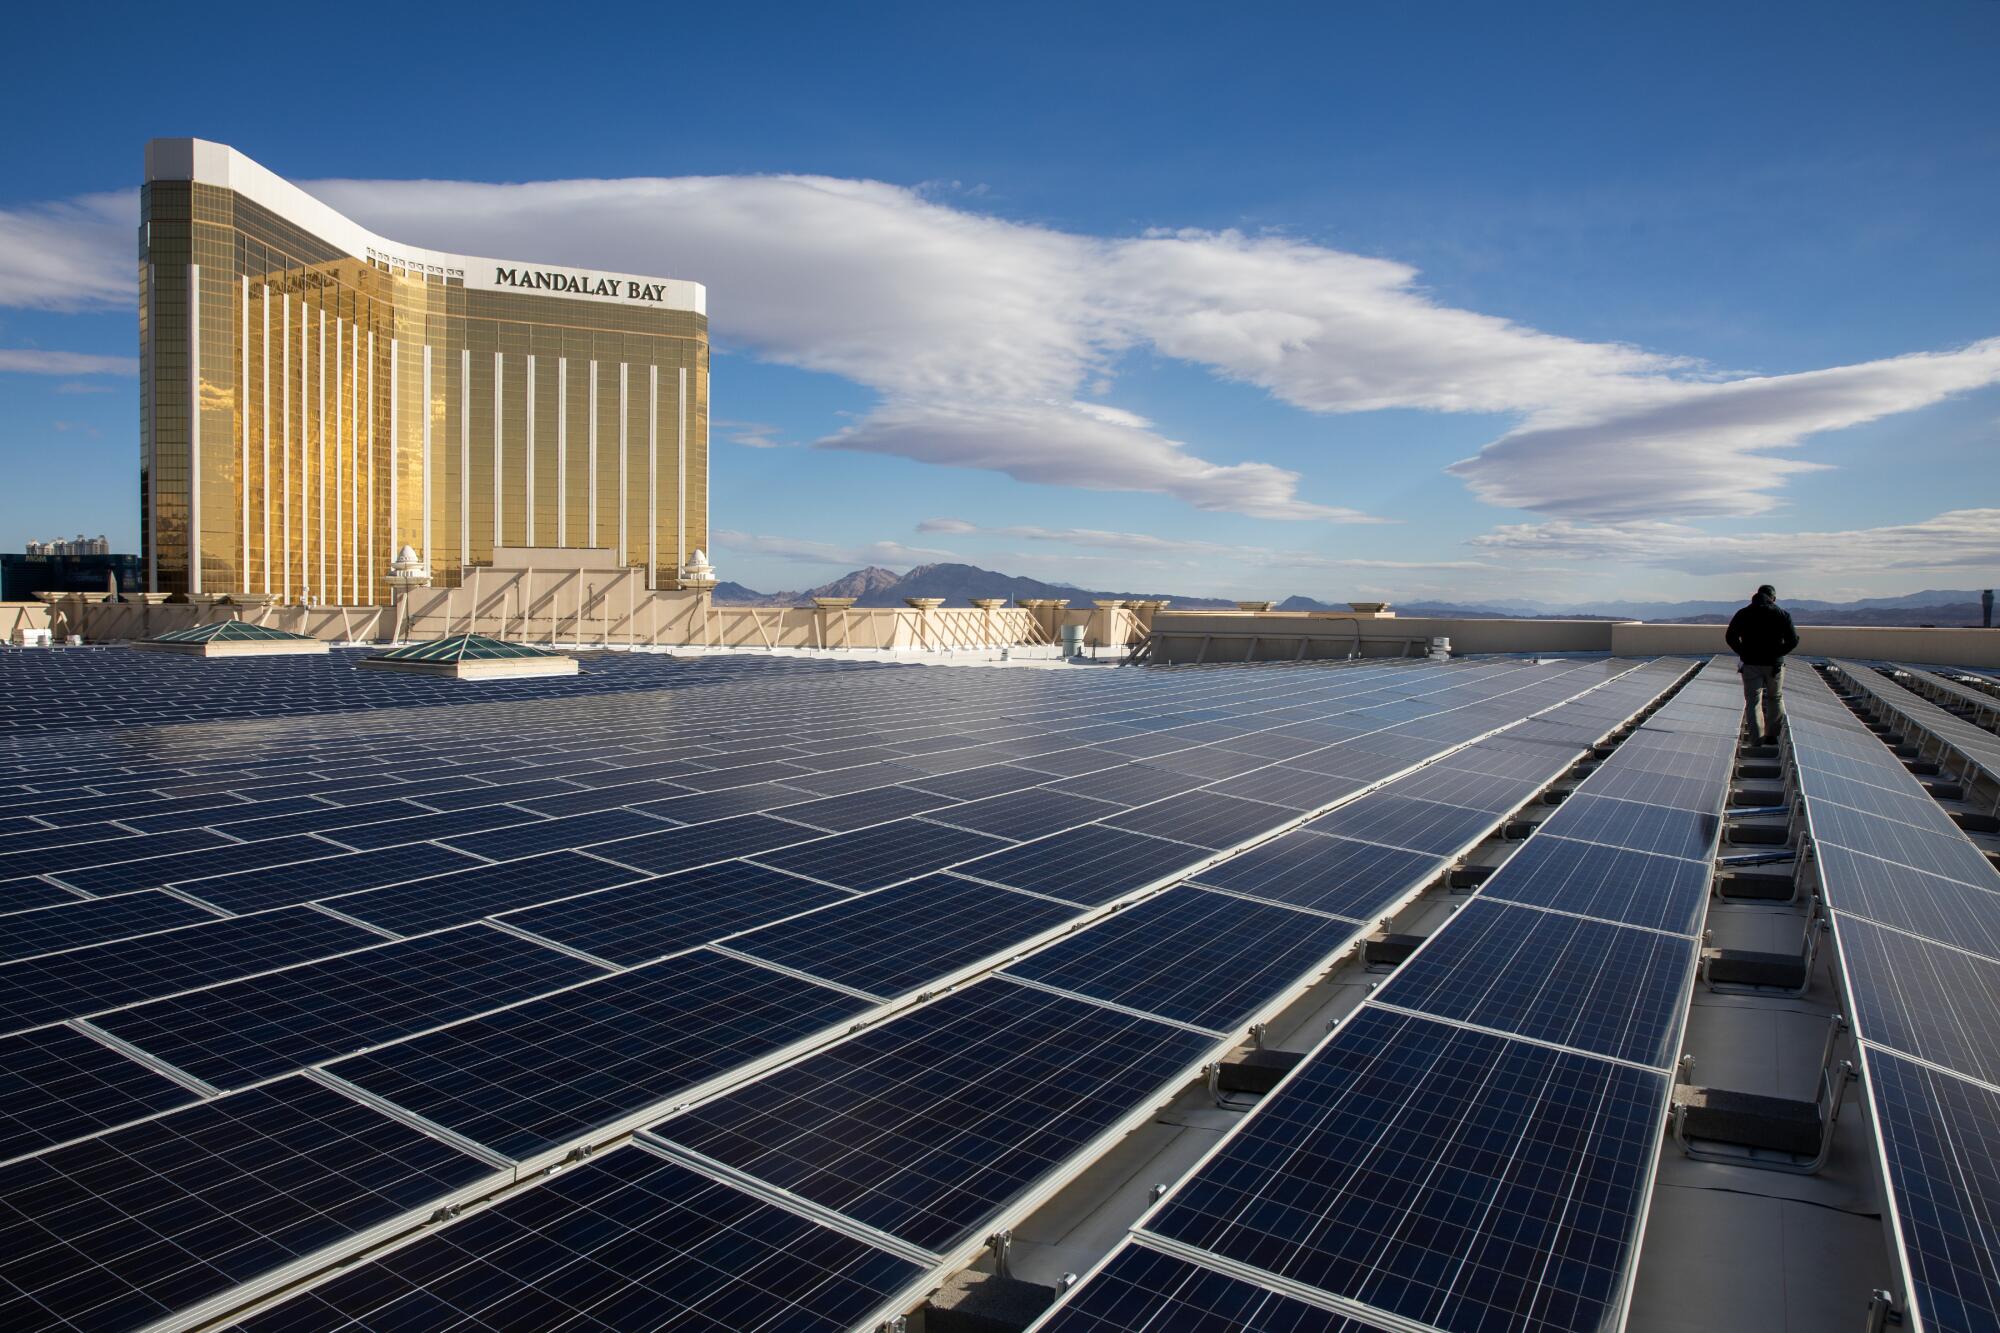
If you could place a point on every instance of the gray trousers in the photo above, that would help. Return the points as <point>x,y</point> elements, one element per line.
<point>1760,682</point>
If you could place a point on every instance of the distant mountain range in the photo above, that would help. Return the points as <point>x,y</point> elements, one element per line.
<point>958,584</point>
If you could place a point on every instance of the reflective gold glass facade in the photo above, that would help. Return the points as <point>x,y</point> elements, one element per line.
<point>306,412</point>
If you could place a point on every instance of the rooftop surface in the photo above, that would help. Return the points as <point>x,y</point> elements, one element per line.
<point>766,992</point>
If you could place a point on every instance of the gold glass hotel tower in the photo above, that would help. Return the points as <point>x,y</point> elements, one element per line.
<point>315,397</point>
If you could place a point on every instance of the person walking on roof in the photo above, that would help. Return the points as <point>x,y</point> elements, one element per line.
<point>1761,634</point>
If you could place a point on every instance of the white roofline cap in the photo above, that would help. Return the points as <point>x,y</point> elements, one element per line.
<point>218,164</point>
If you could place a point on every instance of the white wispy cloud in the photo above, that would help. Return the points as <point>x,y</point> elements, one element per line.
<point>36,361</point>
<point>984,338</point>
<point>1190,553</point>
<point>1687,448</point>
<point>807,552</point>
<point>64,255</point>
<point>1961,539</point>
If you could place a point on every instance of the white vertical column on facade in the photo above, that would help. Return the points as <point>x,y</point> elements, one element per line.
<point>681,475</point>
<point>354,547</point>
<point>339,469</point>
<point>652,476</point>
<point>464,457</point>
<point>151,444</point>
<point>367,553</point>
<point>498,436</point>
<point>243,419</point>
<point>194,433</point>
<point>319,476</point>
<point>562,451</point>
<point>430,462</point>
<point>395,440</point>
<point>624,472</point>
<point>285,439</point>
<point>590,481</point>
<point>528,468</point>
<point>265,507</point>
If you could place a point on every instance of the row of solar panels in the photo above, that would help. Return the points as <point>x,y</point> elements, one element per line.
<point>1474,1148</point>
<point>1971,748</point>
<point>1916,922</point>
<point>412,791</point>
<point>78,690</point>
<point>918,1135</point>
<point>255,1034</point>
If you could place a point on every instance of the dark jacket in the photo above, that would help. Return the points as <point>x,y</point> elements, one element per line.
<point>1761,633</point>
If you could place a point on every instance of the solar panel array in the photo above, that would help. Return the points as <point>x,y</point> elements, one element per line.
<point>1474,1147</point>
<point>483,921</point>
<point>142,987</point>
<point>1970,747</point>
<point>1916,922</point>
<point>1960,687</point>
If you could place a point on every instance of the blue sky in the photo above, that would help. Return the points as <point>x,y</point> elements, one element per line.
<point>1152,297</point>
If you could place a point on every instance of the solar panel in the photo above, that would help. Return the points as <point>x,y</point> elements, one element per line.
<point>331,872</point>
<point>881,854</point>
<point>879,805</point>
<point>56,1084</point>
<point>243,1031</point>
<point>556,834</point>
<point>1639,827</point>
<point>703,844</point>
<point>73,925</point>
<point>104,852</point>
<point>689,807</point>
<point>901,939</point>
<point>974,784</point>
<point>1941,1139</point>
<point>1127,784</point>
<point>927,1125</point>
<point>1025,814</point>
<point>426,828</point>
<point>124,1229</point>
<point>1089,866</point>
<point>636,923</point>
<point>1444,1175</point>
<point>1204,820</point>
<point>626,1240</point>
<point>1612,883</point>
<point>466,895</point>
<point>566,1067</point>
<point>1357,880</point>
<point>1143,1291</point>
<point>84,981</point>
<point>1588,985</point>
<point>1394,820</point>
<point>1905,898</point>
<point>1939,853</point>
<point>1209,959</point>
<point>1927,1000</point>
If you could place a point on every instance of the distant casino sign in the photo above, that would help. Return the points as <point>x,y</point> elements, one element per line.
<point>578,284</point>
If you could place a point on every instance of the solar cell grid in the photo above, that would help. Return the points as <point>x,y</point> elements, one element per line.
<point>57,1084</point>
<point>900,939</point>
<point>1631,824</point>
<point>84,981</point>
<point>1448,1176</point>
<point>424,827</point>
<point>703,844</point>
<point>1089,865</point>
<point>881,854</point>
<point>567,832</point>
<point>466,895</point>
<point>840,814</point>
<point>1905,898</point>
<point>568,1066</point>
<point>126,1228</point>
<point>1940,853</point>
<point>1941,1139</point>
<point>1925,999</point>
<point>1025,814</point>
<point>1204,820</point>
<point>75,924</point>
<point>1394,820</point>
<point>652,918</point>
<point>1614,883</point>
<point>241,1032</point>
<point>331,872</point>
<point>1357,880</point>
<point>1588,985</point>
<point>626,1240</point>
<point>83,855</point>
<point>1210,959</point>
<point>1144,1291</point>
<point>927,1125</point>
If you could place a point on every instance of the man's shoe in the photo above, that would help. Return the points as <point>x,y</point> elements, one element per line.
<point>1769,740</point>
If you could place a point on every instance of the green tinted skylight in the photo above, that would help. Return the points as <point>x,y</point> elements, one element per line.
<point>228,631</point>
<point>462,648</point>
